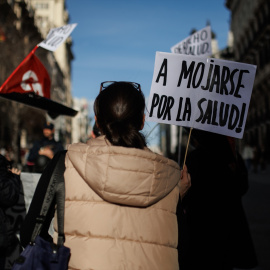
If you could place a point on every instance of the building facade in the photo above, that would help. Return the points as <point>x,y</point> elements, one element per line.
<point>49,14</point>
<point>250,27</point>
<point>19,36</point>
<point>81,122</point>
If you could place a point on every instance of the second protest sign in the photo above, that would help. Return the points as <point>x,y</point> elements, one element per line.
<point>204,93</point>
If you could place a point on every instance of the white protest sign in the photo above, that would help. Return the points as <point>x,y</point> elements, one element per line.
<point>207,94</point>
<point>198,44</point>
<point>57,36</point>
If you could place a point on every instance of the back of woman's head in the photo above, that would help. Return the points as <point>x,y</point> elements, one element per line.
<point>119,110</point>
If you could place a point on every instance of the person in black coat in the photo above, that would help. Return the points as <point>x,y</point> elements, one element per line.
<point>10,186</point>
<point>218,232</point>
<point>43,150</point>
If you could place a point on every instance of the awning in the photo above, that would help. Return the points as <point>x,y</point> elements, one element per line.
<point>54,109</point>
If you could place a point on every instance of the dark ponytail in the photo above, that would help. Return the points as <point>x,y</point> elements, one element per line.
<point>120,112</point>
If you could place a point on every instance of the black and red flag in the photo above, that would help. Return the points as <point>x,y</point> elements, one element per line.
<point>30,84</point>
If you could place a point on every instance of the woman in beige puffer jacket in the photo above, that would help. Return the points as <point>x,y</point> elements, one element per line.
<point>121,198</point>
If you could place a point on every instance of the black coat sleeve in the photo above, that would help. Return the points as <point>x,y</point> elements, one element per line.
<point>33,154</point>
<point>36,204</point>
<point>9,188</point>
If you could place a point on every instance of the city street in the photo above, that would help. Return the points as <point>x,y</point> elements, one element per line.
<point>257,206</point>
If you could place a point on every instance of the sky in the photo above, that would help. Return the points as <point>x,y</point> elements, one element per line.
<point>116,40</point>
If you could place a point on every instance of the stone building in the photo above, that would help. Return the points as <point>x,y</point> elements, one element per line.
<point>50,14</point>
<point>250,27</point>
<point>19,36</point>
<point>81,122</point>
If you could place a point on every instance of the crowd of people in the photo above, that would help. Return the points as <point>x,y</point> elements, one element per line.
<point>127,207</point>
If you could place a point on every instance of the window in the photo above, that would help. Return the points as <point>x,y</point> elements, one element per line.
<point>41,6</point>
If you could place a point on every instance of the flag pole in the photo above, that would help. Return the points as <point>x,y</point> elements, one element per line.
<point>24,60</point>
<point>187,147</point>
<point>179,144</point>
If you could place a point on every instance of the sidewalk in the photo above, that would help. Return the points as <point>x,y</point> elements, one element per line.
<point>262,177</point>
<point>257,207</point>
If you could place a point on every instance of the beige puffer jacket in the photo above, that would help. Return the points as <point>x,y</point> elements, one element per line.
<point>120,210</point>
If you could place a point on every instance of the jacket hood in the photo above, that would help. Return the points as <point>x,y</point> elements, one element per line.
<point>121,175</point>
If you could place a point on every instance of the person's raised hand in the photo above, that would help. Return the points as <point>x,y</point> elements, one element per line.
<point>46,151</point>
<point>15,171</point>
<point>185,182</point>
